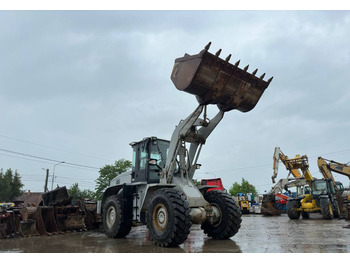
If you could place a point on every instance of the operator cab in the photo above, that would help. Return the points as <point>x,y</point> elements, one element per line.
<point>143,151</point>
<point>340,187</point>
<point>322,187</point>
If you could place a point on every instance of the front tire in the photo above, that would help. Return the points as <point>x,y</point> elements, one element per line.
<point>116,222</point>
<point>291,209</point>
<point>326,208</point>
<point>230,220</point>
<point>168,217</point>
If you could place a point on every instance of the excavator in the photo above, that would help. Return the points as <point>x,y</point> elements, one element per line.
<point>326,167</point>
<point>159,191</point>
<point>320,199</point>
<point>269,206</point>
<point>319,195</point>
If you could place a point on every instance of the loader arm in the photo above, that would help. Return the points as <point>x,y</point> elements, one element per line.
<point>213,81</point>
<point>193,130</point>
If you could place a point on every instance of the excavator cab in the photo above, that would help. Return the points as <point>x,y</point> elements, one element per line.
<point>322,187</point>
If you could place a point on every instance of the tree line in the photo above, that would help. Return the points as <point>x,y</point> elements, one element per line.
<point>12,187</point>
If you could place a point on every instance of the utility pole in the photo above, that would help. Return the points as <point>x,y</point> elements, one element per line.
<point>46,180</point>
<point>53,174</point>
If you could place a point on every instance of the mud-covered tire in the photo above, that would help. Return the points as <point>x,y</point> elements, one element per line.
<point>230,220</point>
<point>291,209</point>
<point>326,208</point>
<point>116,220</point>
<point>168,217</point>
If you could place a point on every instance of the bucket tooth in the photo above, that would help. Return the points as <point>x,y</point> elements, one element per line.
<point>269,81</point>
<point>228,58</point>
<point>254,72</point>
<point>237,63</point>
<point>218,52</point>
<point>246,68</point>
<point>262,76</point>
<point>207,46</point>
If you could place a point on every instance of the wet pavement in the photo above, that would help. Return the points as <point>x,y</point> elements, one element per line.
<point>258,234</point>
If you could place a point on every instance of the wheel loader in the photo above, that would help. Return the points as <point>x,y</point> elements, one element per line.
<point>159,190</point>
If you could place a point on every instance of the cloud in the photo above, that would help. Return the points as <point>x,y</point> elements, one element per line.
<point>87,83</point>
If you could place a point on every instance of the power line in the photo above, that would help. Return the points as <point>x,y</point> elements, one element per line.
<point>57,149</point>
<point>47,159</point>
<point>269,165</point>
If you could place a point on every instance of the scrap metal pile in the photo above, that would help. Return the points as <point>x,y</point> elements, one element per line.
<point>47,214</point>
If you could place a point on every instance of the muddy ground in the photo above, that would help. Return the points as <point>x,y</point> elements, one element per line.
<point>258,234</point>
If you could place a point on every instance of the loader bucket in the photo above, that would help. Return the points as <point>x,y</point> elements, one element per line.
<point>70,218</point>
<point>58,196</point>
<point>215,81</point>
<point>35,213</point>
<point>8,224</point>
<point>28,228</point>
<point>48,217</point>
<point>3,228</point>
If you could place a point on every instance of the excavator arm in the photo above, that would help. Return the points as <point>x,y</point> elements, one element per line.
<point>327,166</point>
<point>292,165</point>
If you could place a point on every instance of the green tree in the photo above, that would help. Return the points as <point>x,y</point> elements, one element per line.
<point>10,185</point>
<point>107,173</point>
<point>196,182</point>
<point>244,187</point>
<point>75,192</point>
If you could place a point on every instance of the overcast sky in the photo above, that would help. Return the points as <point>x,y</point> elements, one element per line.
<point>79,86</point>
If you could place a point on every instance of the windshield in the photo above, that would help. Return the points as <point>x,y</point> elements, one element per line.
<point>159,151</point>
<point>319,187</point>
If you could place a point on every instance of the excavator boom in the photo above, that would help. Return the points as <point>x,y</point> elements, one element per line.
<point>327,166</point>
<point>292,165</point>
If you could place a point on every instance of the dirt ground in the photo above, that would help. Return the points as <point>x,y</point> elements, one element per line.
<point>258,234</point>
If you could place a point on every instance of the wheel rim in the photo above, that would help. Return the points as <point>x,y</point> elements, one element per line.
<point>330,209</point>
<point>216,210</point>
<point>111,216</point>
<point>160,217</point>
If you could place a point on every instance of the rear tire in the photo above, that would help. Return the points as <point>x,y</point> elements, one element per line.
<point>168,217</point>
<point>291,209</point>
<point>230,221</point>
<point>116,222</point>
<point>305,215</point>
<point>326,208</point>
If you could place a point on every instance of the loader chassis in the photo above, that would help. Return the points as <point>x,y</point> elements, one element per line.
<point>159,190</point>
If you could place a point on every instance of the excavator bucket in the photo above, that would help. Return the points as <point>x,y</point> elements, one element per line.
<point>215,81</point>
<point>27,225</point>
<point>49,220</point>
